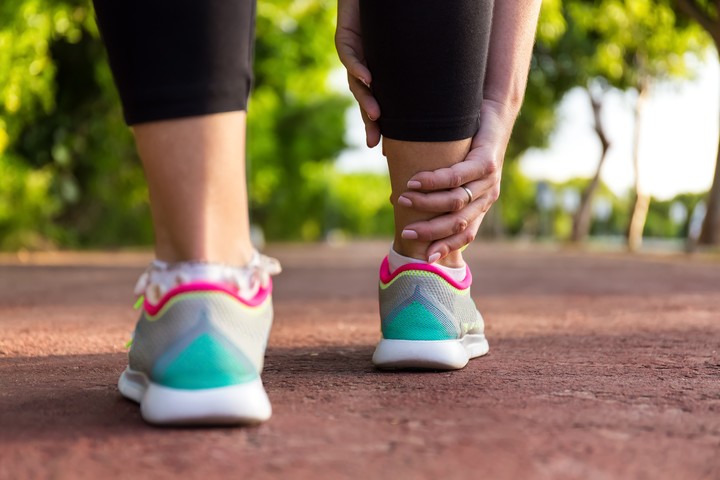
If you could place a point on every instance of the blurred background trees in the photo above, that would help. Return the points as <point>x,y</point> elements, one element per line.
<point>623,45</point>
<point>69,175</point>
<point>706,14</point>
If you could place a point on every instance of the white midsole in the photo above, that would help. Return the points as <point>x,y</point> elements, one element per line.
<point>435,354</point>
<point>245,403</point>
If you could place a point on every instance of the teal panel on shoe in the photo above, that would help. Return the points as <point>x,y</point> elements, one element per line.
<point>415,322</point>
<point>206,363</point>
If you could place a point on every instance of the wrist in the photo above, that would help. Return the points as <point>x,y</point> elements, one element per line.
<point>504,111</point>
<point>496,124</point>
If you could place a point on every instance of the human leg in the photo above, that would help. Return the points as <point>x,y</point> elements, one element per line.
<point>428,66</point>
<point>405,159</point>
<point>183,70</point>
<point>195,168</point>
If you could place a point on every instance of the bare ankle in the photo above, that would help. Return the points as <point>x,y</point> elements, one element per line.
<point>235,255</point>
<point>418,250</point>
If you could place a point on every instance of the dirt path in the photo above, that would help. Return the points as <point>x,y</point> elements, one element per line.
<point>601,367</point>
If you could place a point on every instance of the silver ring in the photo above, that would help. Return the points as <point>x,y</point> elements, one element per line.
<point>469,193</point>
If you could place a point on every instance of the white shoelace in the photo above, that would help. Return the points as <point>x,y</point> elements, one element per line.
<point>161,277</point>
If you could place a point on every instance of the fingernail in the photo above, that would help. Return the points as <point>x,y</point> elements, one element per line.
<point>414,184</point>
<point>434,258</point>
<point>371,118</point>
<point>365,82</point>
<point>409,234</point>
<point>404,201</point>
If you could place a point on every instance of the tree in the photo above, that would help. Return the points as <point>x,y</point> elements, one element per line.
<point>641,206</point>
<point>583,216</point>
<point>705,13</point>
<point>549,79</point>
<point>624,44</point>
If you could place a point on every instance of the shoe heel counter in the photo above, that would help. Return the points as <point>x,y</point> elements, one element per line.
<point>415,317</point>
<point>208,361</point>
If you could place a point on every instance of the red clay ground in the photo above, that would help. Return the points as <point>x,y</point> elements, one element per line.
<point>601,367</point>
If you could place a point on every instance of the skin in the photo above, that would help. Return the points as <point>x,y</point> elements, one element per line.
<point>454,221</point>
<point>195,168</point>
<point>405,160</point>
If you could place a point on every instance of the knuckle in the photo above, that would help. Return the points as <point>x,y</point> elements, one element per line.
<point>427,235</point>
<point>456,204</point>
<point>461,224</point>
<point>491,168</point>
<point>428,182</point>
<point>494,194</point>
<point>455,180</point>
<point>469,236</point>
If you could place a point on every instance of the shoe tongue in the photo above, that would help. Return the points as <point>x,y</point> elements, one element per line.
<point>161,277</point>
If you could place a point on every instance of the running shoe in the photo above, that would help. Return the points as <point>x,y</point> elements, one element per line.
<point>428,320</point>
<point>198,349</point>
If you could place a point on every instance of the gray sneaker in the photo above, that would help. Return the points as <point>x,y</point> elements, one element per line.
<point>197,352</point>
<point>428,320</point>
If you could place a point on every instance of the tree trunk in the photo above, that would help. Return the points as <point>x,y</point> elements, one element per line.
<point>708,20</point>
<point>642,199</point>
<point>710,234</point>
<point>583,216</point>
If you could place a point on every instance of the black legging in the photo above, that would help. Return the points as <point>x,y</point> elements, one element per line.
<point>181,58</point>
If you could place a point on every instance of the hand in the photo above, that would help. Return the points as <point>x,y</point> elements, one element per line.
<point>348,42</point>
<point>441,190</point>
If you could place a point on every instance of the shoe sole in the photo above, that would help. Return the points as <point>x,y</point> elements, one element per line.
<point>430,354</point>
<point>244,404</point>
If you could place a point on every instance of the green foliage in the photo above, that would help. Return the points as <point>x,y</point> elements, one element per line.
<point>346,204</point>
<point>28,188</point>
<point>621,42</point>
<point>628,42</point>
<point>56,122</point>
<point>360,204</point>
<point>517,200</point>
<point>548,82</point>
<point>296,122</point>
<point>659,222</point>
<point>70,172</point>
<point>96,173</point>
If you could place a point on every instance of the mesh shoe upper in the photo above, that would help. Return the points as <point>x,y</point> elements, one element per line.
<point>202,339</point>
<point>418,302</point>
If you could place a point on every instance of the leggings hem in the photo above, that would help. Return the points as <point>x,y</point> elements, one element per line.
<point>414,130</point>
<point>170,110</point>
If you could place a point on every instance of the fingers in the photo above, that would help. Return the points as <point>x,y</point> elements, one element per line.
<point>477,166</point>
<point>457,241</point>
<point>369,109</point>
<point>364,97</point>
<point>353,63</point>
<point>348,43</point>
<point>452,200</point>
<point>444,226</point>
<point>372,130</point>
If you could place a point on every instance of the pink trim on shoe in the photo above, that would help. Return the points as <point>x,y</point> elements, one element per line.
<point>259,298</point>
<point>386,276</point>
